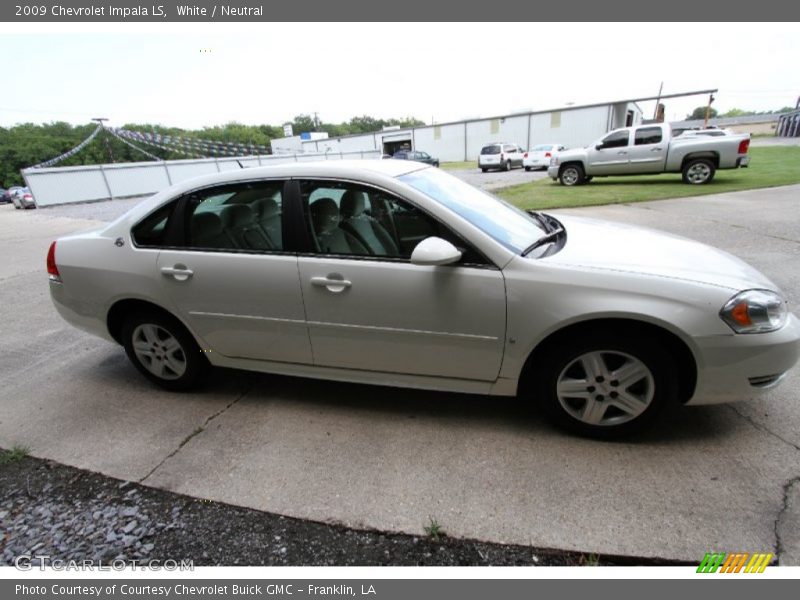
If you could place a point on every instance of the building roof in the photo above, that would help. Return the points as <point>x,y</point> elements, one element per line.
<point>728,121</point>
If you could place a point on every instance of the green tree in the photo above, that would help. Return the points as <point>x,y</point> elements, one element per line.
<point>700,113</point>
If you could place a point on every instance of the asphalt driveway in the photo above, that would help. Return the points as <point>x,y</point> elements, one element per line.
<point>709,478</point>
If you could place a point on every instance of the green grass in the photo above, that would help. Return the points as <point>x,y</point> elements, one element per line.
<point>769,167</point>
<point>468,164</point>
<point>16,453</point>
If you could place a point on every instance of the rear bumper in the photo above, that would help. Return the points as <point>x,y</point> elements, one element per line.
<point>79,314</point>
<point>742,161</point>
<point>739,367</point>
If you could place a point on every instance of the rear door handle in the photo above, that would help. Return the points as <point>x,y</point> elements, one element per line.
<point>179,272</point>
<point>333,284</point>
<point>656,149</point>
<point>622,152</point>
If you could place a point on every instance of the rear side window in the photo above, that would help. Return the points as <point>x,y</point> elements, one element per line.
<point>648,135</point>
<point>242,217</point>
<point>152,230</point>
<point>494,149</point>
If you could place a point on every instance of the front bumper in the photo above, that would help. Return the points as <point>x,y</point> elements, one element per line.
<point>743,366</point>
<point>552,171</point>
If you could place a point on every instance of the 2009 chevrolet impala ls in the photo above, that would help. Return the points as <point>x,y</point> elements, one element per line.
<point>397,273</point>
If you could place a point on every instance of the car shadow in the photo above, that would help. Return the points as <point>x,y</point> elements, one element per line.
<point>675,424</point>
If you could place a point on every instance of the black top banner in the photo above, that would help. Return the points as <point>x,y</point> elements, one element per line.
<point>69,11</point>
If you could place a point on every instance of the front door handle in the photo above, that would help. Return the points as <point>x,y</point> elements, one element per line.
<point>656,149</point>
<point>179,272</point>
<point>622,152</point>
<point>332,283</point>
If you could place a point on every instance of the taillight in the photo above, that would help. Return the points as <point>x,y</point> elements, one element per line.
<point>548,154</point>
<point>525,155</point>
<point>744,146</point>
<point>501,156</point>
<point>52,268</point>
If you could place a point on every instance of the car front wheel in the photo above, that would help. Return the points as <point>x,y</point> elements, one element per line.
<point>571,175</point>
<point>162,349</point>
<point>605,388</point>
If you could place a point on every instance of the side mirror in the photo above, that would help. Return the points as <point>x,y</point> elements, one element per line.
<point>598,147</point>
<point>435,251</point>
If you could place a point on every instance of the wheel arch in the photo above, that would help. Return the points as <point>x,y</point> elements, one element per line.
<point>709,154</point>
<point>684,357</point>
<point>115,318</point>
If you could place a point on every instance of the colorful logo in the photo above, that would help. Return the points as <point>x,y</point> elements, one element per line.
<point>735,562</point>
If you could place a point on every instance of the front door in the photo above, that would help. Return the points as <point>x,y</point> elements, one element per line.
<point>230,279</point>
<point>610,156</point>
<point>369,308</point>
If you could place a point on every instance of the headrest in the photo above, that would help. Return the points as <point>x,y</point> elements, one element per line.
<point>324,215</point>
<point>266,207</point>
<point>205,224</point>
<point>236,215</point>
<point>353,204</point>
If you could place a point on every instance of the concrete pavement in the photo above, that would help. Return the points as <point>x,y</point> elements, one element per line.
<point>722,478</point>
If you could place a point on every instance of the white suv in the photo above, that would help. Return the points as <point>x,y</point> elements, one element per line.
<point>500,155</point>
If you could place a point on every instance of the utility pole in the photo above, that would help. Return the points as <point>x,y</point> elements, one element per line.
<point>708,110</point>
<point>101,121</point>
<point>658,101</point>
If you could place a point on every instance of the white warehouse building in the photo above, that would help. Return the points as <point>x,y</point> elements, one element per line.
<point>462,140</point>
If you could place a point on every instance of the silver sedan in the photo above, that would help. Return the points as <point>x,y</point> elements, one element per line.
<point>396,273</point>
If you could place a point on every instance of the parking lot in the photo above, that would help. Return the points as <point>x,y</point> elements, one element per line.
<point>721,478</point>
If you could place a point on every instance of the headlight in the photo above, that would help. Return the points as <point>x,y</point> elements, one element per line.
<point>754,311</point>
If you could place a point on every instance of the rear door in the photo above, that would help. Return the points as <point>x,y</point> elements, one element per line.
<point>228,276</point>
<point>649,150</point>
<point>610,156</point>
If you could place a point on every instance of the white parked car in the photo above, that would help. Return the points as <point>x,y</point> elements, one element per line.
<point>393,272</point>
<point>539,156</point>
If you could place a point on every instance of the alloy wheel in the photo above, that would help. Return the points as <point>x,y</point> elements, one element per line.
<point>159,351</point>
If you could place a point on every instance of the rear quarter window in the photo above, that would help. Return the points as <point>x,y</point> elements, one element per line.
<point>152,230</point>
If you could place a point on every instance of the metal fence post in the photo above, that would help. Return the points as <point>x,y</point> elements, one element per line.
<point>166,170</point>
<point>105,179</point>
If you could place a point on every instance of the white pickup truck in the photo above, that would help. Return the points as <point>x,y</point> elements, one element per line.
<point>650,149</point>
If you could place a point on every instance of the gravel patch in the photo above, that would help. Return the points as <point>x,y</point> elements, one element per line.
<point>71,514</point>
<point>104,210</point>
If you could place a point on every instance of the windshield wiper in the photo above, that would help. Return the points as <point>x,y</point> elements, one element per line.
<point>540,219</point>
<point>547,238</point>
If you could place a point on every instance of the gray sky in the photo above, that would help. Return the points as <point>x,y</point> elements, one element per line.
<point>208,74</point>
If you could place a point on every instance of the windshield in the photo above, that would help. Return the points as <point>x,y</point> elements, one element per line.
<point>542,148</point>
<point>510,226</point>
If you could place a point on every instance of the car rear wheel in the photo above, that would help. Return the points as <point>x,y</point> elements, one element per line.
<point>162,349</point>
<point>605,384</point>
<point>527,168</point>
<point>571,175</point>
<point>484,169</point>
<point>698,171</point>
<point>508,165</point>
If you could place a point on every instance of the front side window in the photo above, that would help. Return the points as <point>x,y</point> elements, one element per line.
<point>647,135</point>
<point>239,217</point>
<point>508,225</point>
<point>617,139</point>
<point>349,219</point>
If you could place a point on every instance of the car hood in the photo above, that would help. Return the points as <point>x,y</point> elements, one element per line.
<point>612,246</point>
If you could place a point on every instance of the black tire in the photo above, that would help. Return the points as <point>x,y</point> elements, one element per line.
<point>659,386</point>
<point>508,165</point>
<point>189,352</point>
<point>571,174</point>
<point>698,171</point>
<point>587,179</point>
<point>483,170</point>
<point>527,168</point>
